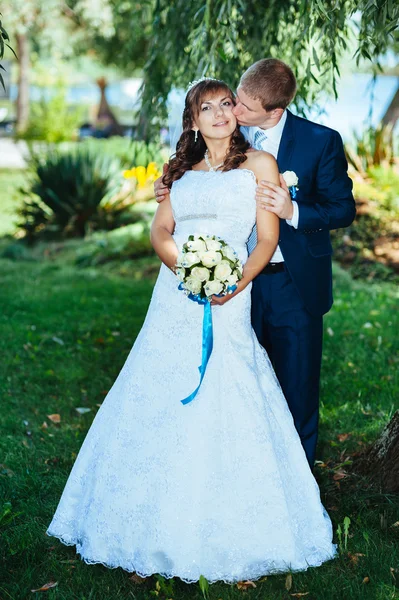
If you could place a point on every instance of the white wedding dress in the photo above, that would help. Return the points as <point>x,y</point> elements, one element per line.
<point>219,487</point>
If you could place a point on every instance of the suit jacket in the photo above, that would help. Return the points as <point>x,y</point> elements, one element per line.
<point>325,201</point>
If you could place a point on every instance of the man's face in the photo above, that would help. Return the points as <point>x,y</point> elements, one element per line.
<point>249,112</point>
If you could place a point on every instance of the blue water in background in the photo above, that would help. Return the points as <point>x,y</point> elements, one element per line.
<point>357,106</point>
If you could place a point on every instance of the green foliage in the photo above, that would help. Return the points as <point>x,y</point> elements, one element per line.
<point>125,243</point>
<point>10,181</point>
<point>220,38</point>
<point>52,120</point>
<point>131,153</point>
<point>370,246</point>
<point>67,189</point>
<point>4,38</point>
<point>372,148</point>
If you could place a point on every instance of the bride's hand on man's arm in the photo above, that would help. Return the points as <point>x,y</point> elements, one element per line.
<point>161,192</point>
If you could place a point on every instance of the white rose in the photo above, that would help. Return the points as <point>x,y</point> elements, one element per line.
<point>213,245</point>
<point>189,259</point>
<point>222,270</point>
<point>229,253</point>
<point>197,246</point>
<point>232,279</point>
<point>210,258</point>
<point>180,273</point>
<point>200,273</point>
<point>213,287</point>
<point>179,260</point>
<point>290,178</point>
<point>193,285</point>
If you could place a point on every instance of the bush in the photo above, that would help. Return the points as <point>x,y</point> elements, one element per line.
<point>67,189</point>
<point>132,241</point>
<point>370,246</point>
<point>52,120</point>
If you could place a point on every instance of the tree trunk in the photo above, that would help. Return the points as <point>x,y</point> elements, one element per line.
<point>23,82</point>
<point>392,112</point>
<point>381,461</point>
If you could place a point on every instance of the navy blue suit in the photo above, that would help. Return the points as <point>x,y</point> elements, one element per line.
<point>287,306</point>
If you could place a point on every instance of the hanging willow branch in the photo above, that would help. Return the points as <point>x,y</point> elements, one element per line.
<point>221,38</point>
<point>4,39</point>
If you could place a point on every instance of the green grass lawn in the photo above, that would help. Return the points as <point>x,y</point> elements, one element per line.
<point>65,333</point>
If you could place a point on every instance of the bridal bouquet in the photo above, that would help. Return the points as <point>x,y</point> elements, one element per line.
<point>207,265</point>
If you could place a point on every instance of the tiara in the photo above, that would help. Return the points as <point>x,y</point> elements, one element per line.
<point>194,83</point>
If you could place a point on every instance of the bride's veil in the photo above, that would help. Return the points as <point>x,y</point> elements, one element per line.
<point>175,106</point>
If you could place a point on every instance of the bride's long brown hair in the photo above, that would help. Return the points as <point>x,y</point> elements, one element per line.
<point>190,152</point>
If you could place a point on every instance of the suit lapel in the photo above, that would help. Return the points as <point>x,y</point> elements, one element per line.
<point>286,144</point>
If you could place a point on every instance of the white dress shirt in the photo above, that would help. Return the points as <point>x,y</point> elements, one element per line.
<point>272,144</point>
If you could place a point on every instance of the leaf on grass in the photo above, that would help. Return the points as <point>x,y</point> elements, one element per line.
<point>69,561</point>
<point>204,586</point>
<point>395,524</point>
<point>58,340</point>
<point>136,579</point>
<point>354,558</point>
<point>288,582</point>
<point>46,586</point>
<point>82,410</point>
<point>342,437</point>
<point>44,425</point>
<point>4,470</point>
<point>245,585</point>
<point>54,418</point>
<point>300,594</point>
<point>366,580</point>
<point>393,571</point>
<point>339,475</point>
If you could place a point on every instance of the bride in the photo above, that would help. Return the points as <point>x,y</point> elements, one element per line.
<point>219,487</point>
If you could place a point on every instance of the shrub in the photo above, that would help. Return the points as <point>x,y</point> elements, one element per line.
<point>370,246</point>
<point>67,189</point>
<point>132,241</point>
<point>52,120</point>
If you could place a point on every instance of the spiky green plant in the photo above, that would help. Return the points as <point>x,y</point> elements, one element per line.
<point>67,188</point>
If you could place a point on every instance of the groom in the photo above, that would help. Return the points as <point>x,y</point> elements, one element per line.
<point>291,294</point>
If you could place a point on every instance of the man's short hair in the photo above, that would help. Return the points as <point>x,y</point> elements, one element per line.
<point>271,81</point>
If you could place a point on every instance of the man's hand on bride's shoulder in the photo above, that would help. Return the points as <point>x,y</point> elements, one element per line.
<point>275,198</point>
<point>161,192</point>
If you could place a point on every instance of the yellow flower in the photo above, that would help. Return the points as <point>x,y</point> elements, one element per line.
<point>144,176</point>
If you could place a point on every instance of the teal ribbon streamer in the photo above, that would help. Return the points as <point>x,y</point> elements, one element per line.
<point>207,336</point>
<point>207,342</point>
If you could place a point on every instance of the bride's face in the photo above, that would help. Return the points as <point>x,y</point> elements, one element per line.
<point>215,119</point>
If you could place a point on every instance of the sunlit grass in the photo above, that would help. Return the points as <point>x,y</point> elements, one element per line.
<point>64,335</point>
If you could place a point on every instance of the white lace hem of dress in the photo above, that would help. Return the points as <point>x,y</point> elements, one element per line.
<point>316,560</point>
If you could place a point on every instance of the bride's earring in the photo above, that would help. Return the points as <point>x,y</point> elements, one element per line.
<point>195,136</point>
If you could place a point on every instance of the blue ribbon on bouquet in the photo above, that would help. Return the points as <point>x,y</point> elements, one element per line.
<point>293,191</point>
<point>207,337</point>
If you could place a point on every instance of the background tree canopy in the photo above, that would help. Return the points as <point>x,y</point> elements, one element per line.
<point>221,38</point>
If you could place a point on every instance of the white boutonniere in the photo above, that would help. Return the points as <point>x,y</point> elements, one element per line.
<point>291,179</point>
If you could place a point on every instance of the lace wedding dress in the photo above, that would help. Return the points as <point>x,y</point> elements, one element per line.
<point>219,487</point>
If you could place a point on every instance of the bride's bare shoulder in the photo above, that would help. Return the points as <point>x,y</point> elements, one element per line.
<point>259,157</point>
<point>261,163</point>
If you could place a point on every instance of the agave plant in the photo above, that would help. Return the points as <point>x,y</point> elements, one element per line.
<point>67,189</point>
